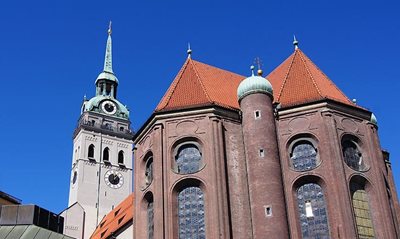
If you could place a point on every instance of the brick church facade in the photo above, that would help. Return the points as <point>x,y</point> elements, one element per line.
<point>282,156</point>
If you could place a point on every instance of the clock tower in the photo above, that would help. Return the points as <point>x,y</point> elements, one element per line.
<point>101,172</point>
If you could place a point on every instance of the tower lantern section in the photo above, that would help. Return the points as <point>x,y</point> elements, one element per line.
<point>267,199</point>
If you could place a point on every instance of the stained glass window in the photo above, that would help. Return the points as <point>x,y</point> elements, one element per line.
<point>352,155</point>
<point>150,220</point>
<point>191,213</point>
<point>303,156</point>
<point>149,171</point>
<point>362,212</point>
<point>188,159</point>
<point>312,211</point>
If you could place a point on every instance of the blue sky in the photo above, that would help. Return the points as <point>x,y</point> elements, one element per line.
<point>52,51</point>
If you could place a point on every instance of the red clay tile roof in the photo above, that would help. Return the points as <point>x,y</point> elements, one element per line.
<point>298,80</point>
<point>115,219</point>
<point>199,84</point>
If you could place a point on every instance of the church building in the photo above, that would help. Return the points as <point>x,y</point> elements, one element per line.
<point>287,155</point>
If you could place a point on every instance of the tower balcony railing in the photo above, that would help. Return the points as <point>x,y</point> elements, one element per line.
<point>104,128</point>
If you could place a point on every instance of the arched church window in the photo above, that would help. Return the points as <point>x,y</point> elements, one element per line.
<point>191,218</point>
<point>121,157</point>
<point>362,212</point>
<point>188,158</point>
<point>303,156</point>
<point>150,218</point>
<point>312,211</point>
<point>106,155</point>
<point>149,170</point>
<point>91,151</point>
<point>352,155</point>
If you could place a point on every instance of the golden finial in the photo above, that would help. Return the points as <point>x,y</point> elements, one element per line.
<point>189,50</point>
<point>258,61</point>
<point>109,28</point>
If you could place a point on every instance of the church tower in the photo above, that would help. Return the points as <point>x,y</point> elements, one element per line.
<point>101,172</point>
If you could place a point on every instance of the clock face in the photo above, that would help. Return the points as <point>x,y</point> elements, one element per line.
<point>113,179</point>
<point>109,107</point>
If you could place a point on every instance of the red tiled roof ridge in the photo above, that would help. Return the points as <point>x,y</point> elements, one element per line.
<point>164,101</point>
<point>309,72</point>
<point>199,79</point>
<point>333,84</point>
<point>286,76</point>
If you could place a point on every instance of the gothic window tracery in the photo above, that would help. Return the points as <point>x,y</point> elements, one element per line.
<point>352,155</point>
<point>191,213</point>
<point>188,159</point>
<point>303,156</point>
<point>312,211</point>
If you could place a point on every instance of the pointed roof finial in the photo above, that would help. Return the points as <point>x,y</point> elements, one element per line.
<point>189,50</point>
<point>252,70</point>
<point>108,56</point>
<point>258,61</point>
<point>109,28</point>
<point>295,42</point>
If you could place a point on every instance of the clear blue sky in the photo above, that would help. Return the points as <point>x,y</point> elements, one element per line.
<point>51,53</point>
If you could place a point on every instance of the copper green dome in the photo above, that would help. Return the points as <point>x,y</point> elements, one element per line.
<point>373,119</point>
<point>254,84</point>
<point>94,105</point>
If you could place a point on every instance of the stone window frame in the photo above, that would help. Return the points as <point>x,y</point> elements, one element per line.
<point>148,198</point>
<point>176,148</point>
<point>360,146</point>
<point>121,159</point>
<point>308,138</point>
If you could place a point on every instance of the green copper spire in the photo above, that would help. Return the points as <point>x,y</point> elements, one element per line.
<point>108,57</point>
<point>108,73</point>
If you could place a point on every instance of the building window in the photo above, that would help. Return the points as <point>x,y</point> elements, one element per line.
<point>268,211</point>
<point>312,211</point>
<point>121,157</point>
<point>303,156</point>
<point>352,155</point>
<point>149,170</point>
<point>191,218</point>
<point>257,114</point>
<point>106,155</point>
<point>188,159</point>
<point>262,153</point>
<point>362,212</point>
<point>150,219</point>
<point>91,151</point>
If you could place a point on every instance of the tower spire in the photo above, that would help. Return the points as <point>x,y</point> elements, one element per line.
<point>108,56</point>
